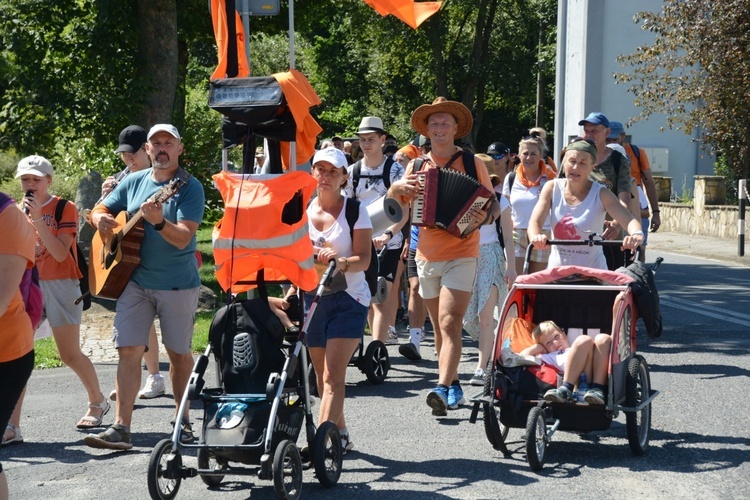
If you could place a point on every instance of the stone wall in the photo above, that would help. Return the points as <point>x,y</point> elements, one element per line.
<point>700,217</point>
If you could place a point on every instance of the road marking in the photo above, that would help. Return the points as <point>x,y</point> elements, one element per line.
<point>704,310</point>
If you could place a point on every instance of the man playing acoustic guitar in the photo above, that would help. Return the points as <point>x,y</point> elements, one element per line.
<point>165,281</point>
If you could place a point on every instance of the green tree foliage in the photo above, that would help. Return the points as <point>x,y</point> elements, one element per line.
<point>697,73</point>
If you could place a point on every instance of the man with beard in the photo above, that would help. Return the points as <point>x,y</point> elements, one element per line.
<point>165,283</point>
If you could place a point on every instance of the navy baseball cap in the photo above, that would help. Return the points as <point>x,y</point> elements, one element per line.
<point>595,119</point>
<point>615,129</point>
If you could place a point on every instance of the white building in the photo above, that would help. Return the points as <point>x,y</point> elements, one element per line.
<point>591,34</point>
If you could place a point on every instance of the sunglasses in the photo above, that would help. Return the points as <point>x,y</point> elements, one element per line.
<point>500,157</point>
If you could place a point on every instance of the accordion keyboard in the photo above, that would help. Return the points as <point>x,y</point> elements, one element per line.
<point>417,205</point>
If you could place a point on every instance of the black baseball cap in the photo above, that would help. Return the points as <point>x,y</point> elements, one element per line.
<point>132,138</point>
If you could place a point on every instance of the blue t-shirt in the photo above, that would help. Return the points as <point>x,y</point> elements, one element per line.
<point>163,266</point>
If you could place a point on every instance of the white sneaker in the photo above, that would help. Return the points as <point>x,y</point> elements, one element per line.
<point>153,387</point>
<point>479,377</point>
<point>392,336</point>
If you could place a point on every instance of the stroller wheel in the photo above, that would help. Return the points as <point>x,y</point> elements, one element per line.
<point>207,460</point>
<point>375,362</point>
<point>164,471</point>
<point>287,471</point>
<point>327,454</point>
<point>495,431</point>
<point>536,438</point>
<point>638,389</point>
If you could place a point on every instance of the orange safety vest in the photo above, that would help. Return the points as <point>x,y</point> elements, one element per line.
<point>264,227</point>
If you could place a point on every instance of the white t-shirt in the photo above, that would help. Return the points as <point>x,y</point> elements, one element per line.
<point>488,232</point>
<point>338,237</point>
<point>522,201</point>
<point>556,359</point>
<point>371,187</point>
<point>576,222</point>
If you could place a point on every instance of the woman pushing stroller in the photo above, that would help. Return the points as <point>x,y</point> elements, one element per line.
<point>577,205</point>
<point>337,326</point>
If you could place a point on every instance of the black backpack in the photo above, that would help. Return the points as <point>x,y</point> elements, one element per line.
<point>351,211</point>
<point>357,174</point>
<point>247,338</point>
<point>83,266</point>
<point>646,296</point>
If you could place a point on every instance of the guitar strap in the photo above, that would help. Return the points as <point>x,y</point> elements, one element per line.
<point>182,175</point>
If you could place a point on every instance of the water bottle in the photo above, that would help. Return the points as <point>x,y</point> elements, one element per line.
<point>583,388</point>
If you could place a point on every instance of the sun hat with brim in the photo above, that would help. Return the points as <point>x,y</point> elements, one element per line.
<point>490,164</point>
<point>34,165</point>
<point>441,105</point>
<point>371,124</point>
<point>331,155</point>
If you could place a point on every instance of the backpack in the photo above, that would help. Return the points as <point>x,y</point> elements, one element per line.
<point>351,212</point>
<point>31,290</point>
<point>357,174</point>
<point>83,266</point>
<point>646,296</point>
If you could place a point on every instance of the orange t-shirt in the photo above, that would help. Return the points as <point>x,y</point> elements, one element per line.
<point>49,268</point>
<point>438,245</point>
<point>637,166</point>
<point>16,334</point>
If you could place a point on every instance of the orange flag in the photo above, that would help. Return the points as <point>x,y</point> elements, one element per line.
<point>221,32</point>
<point>411,12</point>
<point>300,96</point>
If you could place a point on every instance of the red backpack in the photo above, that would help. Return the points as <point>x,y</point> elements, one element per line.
<point>30,289</point>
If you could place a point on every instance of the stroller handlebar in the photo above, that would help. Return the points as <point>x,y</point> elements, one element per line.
<point>587,242</point>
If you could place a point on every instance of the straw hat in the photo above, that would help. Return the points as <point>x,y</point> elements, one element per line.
<point>490,164</point>
<point>441,105</point>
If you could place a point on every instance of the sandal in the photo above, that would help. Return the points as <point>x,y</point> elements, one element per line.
<point>90,421</point>
<point>17,436</point>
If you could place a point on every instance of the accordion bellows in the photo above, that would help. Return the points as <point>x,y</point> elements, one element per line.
<point>445,198</point>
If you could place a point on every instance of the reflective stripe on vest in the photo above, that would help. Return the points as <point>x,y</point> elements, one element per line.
<point>256,233</point>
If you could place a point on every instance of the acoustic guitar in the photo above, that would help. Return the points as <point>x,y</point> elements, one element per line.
<point>112,260</point>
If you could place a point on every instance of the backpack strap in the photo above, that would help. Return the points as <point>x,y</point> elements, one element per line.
<point>636,152</point>
<point>469,165</point>
<point>351,212</point>
<point>59,208</point>
<point>418,164</point>
<point>5,200</point>
<point>356,173</point>
<point>389,161</point>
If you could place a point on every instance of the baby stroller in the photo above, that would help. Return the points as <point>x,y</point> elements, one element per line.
<point>253,417</point>
<point>583,301</point>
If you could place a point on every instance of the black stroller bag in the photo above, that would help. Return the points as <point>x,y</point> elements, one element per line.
<point>247,337</point>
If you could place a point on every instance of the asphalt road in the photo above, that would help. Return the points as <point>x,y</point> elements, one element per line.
<point>699,441</point>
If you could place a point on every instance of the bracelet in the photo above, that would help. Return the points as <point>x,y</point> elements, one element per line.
<point>655,211</point>
<point>37,220</point>
<point>346,261</point>
<point>637,233</point>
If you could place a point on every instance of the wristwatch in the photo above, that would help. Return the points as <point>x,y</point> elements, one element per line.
<point>389,233</point>
<point>160,225</point>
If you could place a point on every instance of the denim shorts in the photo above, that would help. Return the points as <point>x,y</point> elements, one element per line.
<point>337,316</point>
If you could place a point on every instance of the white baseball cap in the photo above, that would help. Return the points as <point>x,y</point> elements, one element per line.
<point>331,155</point>
<point>164,127</point>
<point>34,165</point>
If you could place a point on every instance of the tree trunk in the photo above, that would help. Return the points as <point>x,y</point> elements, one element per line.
<point>158,49</point>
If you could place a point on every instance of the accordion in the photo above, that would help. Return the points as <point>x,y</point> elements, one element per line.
<point>445,198</point>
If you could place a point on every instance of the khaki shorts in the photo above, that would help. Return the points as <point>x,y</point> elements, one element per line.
<point>455,274</point>
<point>521,240</point>
<point>137,308</point>
<point>59,302</point>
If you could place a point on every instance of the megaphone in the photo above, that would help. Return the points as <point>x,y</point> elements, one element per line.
<point>383,212</point>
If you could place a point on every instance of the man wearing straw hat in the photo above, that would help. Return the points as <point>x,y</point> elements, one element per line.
<point>446,264</point>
